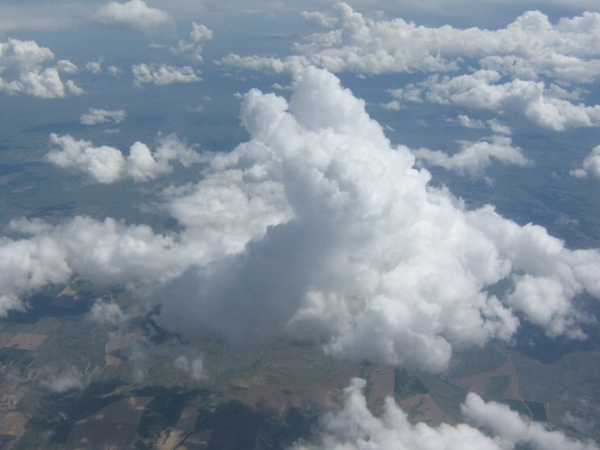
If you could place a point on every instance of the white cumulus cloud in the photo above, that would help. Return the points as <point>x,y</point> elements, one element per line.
<point>135,14</point>
<point>192,48</point>
<point>528,48</point>
<point>475,157</point>
<point>107,313</point>
<point>384,267</point>
<point>483,90</point>
<point>103,164</point>
<point>467,122</point>
<point>491,427</point>
<point>95,116</point>
<point>68,380</point>
<point>317,229</point>
<point>590,165</point>
<point>163,74</point>
<point>107,164</point>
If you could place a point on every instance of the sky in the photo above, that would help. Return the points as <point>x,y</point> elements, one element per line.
<point>393,183</point>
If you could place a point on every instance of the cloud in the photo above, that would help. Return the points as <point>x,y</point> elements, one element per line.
<point>108,252</point>
<point>481,90</point>
<point>43,17</point>
<point>509,69</point>
<point>292,65</point>
<point>590,166</point>
<point>467,122</point>
<point>96,116</point>
<point>498,128</point>
<point>102,164</point>
<point>318,229</point>
<point>107,313</point>
<point>394,105</point>
<point>107,164</point>
<point>22,71</point>
<point>192,49</point>
<point>66,66</point>
<point>475,157</point>
<point>163,74</point>
<point>194,368</point>
<point>491,427</point>
<point>134,14</point>
<point>114,71</point>
<point>509,428</point>
<point>528,48</point>
<point>365,227</point>
<point>94,66</point>
<point>321,19</point>
<point>68,380</point>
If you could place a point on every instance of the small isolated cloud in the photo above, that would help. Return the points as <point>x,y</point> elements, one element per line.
<point>394,105</point>
<point>94,66</point>
<point>192,48</point>
<point>96,116</point>
<point>320,18</point>
<point>467,122</point>
<point>66,66</point>
<point>163,74</point>
<point>490,426</point>
<point>22,71</point>
<point>68,380</point>
<point>590,166</point>
<point>193,367</point>
<point>107,164</point>
<point>499,128</point>
<point>135,14</point>
<point>475,157</point>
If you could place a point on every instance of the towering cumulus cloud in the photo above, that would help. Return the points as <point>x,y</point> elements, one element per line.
<point>374,263</point>
<point>318,229</point>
